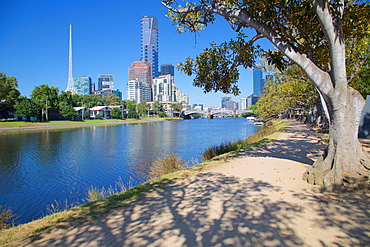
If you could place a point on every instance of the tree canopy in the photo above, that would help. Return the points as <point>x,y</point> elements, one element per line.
<point>8,94</point>
<point>290,90</point>
<point>326,39</point>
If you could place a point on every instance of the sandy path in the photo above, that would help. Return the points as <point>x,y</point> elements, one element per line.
<point>256,199</point>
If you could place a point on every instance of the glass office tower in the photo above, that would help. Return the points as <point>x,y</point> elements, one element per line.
<point>82,84</point>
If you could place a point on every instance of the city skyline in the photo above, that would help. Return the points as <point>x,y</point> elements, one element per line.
<point>34,44</point>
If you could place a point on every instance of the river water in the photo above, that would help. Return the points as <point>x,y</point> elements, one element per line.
<point>56,167</point>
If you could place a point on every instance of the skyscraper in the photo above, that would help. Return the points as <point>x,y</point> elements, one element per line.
<point>140,71</point>
<point>70,86</point>
<point>149,42</point>
<point>82,85</point>
<point>258,81</point>
<point>167,68</point>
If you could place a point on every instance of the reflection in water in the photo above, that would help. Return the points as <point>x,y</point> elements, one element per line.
<point>38,168</point>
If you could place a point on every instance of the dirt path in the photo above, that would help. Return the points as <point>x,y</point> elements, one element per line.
<point>256,199</point>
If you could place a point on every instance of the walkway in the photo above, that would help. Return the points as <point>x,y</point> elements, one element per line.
<point>256,199</point>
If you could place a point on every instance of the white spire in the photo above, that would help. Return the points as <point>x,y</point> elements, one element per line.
<point>70,86</point>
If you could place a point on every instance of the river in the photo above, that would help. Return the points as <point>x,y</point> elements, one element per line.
<point>42,169</point>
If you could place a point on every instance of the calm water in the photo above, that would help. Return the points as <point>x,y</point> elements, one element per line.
<point>44,167</point>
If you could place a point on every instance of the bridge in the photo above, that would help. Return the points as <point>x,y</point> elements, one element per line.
<point>210,113</point>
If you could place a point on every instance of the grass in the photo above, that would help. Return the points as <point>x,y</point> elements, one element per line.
<point>19,124</point>
<point>24,234</point>
<point>166,165</point>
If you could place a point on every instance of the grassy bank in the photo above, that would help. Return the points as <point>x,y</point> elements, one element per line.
<point>66,123</point>
<point>24,234</point>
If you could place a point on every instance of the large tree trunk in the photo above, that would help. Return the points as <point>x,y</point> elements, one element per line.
<point>345,162</point>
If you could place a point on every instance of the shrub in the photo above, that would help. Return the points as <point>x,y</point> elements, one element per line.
<point>165,166</point>
<point>6,218</point>
<point>93,194</point>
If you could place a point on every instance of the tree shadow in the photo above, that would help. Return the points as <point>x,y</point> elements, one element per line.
<point>211,209</point>
<point>303,145</point>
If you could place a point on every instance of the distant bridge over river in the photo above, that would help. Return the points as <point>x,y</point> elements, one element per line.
<point>211,113</point>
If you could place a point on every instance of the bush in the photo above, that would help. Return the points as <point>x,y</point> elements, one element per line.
<point>6,218</point>
<point>166,165</point>
<point>93,194</point>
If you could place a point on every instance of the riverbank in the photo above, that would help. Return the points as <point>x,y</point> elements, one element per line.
<point>251,198</point>
<point>11,126</point>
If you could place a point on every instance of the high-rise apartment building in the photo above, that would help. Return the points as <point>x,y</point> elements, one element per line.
<point>167,68</point>
<point>163,88</point>
<point>138,92</point>
<point>149,42</point>
<point>82,85</point>
<point>258,81</point>
<point>180,97</point>
<point>105,82</point>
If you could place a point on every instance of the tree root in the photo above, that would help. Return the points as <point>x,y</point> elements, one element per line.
<point>320,174</point>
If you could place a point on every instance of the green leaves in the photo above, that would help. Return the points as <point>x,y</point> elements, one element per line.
<point>216,68</point>
<point>288,90</point>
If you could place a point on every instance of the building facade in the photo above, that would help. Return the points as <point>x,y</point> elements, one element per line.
<point>258,81</point>
<point>149,42</point>
<point>105,82</point>
<point>167,68</point>
<point>82,85</point>
<point>141,71</point>
<point>252,100</point>
<point>138,91</point>
<point>242,103</point>
<point>163,88</point>
<point>224,100</point>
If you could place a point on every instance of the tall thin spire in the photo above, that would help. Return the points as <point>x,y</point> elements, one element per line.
<point>70,86</point>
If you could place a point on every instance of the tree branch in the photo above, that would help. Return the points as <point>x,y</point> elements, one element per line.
<point>316,75</point>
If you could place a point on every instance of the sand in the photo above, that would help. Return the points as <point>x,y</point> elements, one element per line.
<point>255,199</point>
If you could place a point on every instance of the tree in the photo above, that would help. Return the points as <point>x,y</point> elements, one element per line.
<point>116,112</point>
<point>8,93</point>
<point>362,81</point>
<point>113,99</point>
<point>69,112</point>
<point>92,100</point>
<point>288,91</point>
<point>142,108</point>
<point>157,107</point>
<point>312,34</point>
<point>45,97</point>
<point>131,106</point>
<point>26,108</point>
<point>176,106</point>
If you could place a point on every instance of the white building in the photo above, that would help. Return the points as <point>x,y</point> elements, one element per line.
<point>163,88</point>
<point>138,91</point>
<point>242,103</point>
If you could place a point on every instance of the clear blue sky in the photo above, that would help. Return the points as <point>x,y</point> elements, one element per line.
<point>34,38</point>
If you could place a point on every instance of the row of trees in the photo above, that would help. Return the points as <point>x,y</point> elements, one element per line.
<point>291,91</point>
<point>45,100</point>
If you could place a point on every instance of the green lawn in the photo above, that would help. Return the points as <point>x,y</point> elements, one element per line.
<point>68,122</point>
